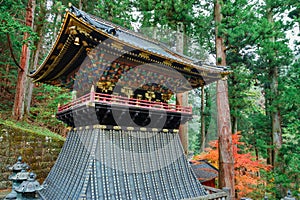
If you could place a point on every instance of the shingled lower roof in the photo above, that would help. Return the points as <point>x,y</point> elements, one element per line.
<point>133,165</point>
<point>204,171</point>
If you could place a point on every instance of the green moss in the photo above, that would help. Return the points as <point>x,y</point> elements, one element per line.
<point>23,126</point>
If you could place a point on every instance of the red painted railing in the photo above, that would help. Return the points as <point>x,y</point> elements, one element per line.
<point>131,102</point>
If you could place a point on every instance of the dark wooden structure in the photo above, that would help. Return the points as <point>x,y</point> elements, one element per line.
<point>124,141</point>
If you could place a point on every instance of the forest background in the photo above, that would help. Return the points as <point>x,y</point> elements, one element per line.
<point>261,38</point>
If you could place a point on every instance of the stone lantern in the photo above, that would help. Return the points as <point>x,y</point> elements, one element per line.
<point>18,175</point>
<point>28,189</point>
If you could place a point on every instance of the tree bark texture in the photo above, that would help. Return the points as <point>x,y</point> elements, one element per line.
<point>35,56</point>
<point>226,160</point>
<point>18,109</point>
<point>182,98</point>
<point>275,113</point>
<point>276,121</point>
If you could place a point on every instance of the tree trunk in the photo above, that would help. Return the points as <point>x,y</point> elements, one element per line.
<point>182,98</point>
<point>276,125</point>
<point>203,132</point>
<point>267,113</point>
<point>208,113</point>
<point>35,57</point>
<point>56,21</point>
<point>275,113</point>
<point>226,160</point>
<point>80,4</point>
<point>18,109</point>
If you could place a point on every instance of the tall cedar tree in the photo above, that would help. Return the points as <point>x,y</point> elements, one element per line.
<point>273,57</point>
<point>226,160</point>
<point>18,109</point>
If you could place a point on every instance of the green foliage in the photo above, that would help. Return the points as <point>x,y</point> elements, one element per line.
<point>165,12</point>
<point>24,126</point>
<point>194,126</point>
<point>45,101</point>
<point>194,130</point>
<point>255,47</point>
<point>11,16</point>
<point>8,69</point>
<point>290,98</point>
<point>288,173</point>
<point>161,20</point>
<point>12,21</point>
<point>117,11</point>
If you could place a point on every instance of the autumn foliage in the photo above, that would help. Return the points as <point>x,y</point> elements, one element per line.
<point>247,167</point>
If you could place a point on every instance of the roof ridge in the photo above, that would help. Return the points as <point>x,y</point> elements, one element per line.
<point>119,27</point>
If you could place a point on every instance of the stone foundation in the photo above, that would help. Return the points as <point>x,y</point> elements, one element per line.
<point>39,152</point>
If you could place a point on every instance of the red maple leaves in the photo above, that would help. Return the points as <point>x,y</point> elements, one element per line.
<point>247,166</point>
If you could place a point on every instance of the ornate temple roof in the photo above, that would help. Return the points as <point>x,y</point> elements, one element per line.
<point>107,156</point>
<point>81,34</point>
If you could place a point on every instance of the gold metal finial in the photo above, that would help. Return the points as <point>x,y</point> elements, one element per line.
<point>150,95</point>
<point>76,42</point>
<point>84,43</point>
<point>224,77</point>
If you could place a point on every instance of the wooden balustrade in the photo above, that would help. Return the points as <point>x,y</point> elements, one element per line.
<point>212,194</point>
<point>113,99</point>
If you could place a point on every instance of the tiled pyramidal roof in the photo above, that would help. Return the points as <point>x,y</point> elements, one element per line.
<point>131,37</point>
<point>141,41</point>
<point>118,164</point>
<point>82,34</point>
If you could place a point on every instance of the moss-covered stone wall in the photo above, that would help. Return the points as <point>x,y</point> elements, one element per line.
<point>38,151</point>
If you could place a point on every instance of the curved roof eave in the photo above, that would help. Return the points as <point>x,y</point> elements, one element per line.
<point>142,42</point>
<point>126,37</point>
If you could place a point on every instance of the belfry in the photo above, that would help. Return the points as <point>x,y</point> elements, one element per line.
<point>123,142</point>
